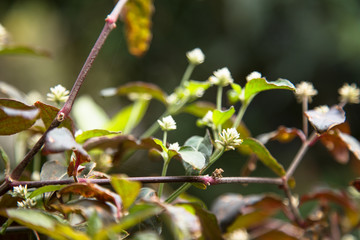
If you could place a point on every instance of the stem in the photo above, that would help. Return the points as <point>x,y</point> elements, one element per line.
<point>165,138</point>
<point>219,98</point>
<point>163,174</point>
<point>66,109</point>
<point>299,155</point>
<point>294,210</point>
<point>187,74</point>
<point>304,118</point>
<point>177,193</point>
<point>240,114</point>
<point>136,109</point>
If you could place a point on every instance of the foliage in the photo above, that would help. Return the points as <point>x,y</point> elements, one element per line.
<point>64,199</point>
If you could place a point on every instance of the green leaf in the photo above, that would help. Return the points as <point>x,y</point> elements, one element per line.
<point>48,114</point>
<point>94,224</point>
<point>81,138</point>
<point>264,155</point>
<point>220,117</point>
<point>137,214</point>
<point>160,143</point>
<point>88,114</point>
<point>137,18</point>
<point>199,108</point>
<point>140,89</point>
<point>60,140</point>
<point>16,116</point>
<point>193,157</point>
<point>197,88</point>
<point>323,120</point>
<point>45,189</point>
<point>23,50</point>
<point>120,120</point>
<point>235,93</point>
<point>128,190</point>
<point>201,144</point>
<point>257,85</point>
<point>44,223</point>
<point>6,160</point>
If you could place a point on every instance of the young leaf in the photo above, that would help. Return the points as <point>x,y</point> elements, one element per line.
<point>220,117</point>
<point>16,116</point>
<point>137,19</point>
<point>199,108</point>
<point>197,88</point>
<point>193,157</point>
<point>257,85</point>
<point>322,121</point>
<point>81,138</point>
<point>121,119</point>
<point>48,114</point>
<point>201,144</point>
<point>45,189</point>
<point>235,93</point>
<point>140,88</point>
<point>43,222</point>
<point>264,155</point>
<point>128,190</point>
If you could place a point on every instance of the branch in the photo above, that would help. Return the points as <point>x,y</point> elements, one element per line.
<point>207,180</point>
<point>66,109</point>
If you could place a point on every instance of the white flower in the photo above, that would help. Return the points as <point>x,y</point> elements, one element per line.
<point>28,203</point>
<point>58,94</point>
<point>172,99</point>
<point>167,123</point>
<point>195,56</point>
<point>175,147</point>
<point>253,75</point>
<point>305,90</point>
<point>322,109</point>
<point>229,138</point>
<point>221,77</point>
<point>207,120</point>
<point>20,191</point>
<point>349,93</point>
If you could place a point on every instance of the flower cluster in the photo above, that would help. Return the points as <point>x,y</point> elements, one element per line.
<point>229,139</point>
<point>21,192</point>
<point>195,56</point>
<point>58,94</point>
<point>167,123</point>
<point>221,77</point>
<point>305,90</point>
<point>349,93</point>
<point>207,120</point>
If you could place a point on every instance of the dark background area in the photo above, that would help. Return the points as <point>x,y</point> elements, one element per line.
<point>315,41</point>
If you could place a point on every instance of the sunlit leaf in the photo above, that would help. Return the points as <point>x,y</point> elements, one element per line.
<point>220,117</point>
<point>137,17</point>
<point>199,108</point>
<point>88,114</point>
<point>23,50</point>
<point>264,155</point>
<point>322,121</point>
<point>89,190</point>
<point>193,157</point>
<point>257,85</point>
<point>235,211</point>
<point>16,116</point>
<point>60,140</point>
<point>282,134</point>
<point>352,143</point>
<point>128,190</point>
<point>48,114</point>
<point>197,88</point>
<point>341,199</point>
<point>234,94</point>
<point>121,120</point>
<point>81,138</point>
<point>44,223</point>
<point>142,89</point>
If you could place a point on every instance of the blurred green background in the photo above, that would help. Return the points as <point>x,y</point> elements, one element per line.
<point>315,41</point>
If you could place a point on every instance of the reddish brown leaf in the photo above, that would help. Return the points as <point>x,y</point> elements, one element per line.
<point>89,190</point>
<point>282,134</point>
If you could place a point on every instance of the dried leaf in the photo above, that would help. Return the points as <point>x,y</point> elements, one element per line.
<point>322,121</point>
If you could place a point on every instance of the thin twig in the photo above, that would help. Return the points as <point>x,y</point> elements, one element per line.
<point>294,210</point>
<point>66,109</point>
<point>207,180</point>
